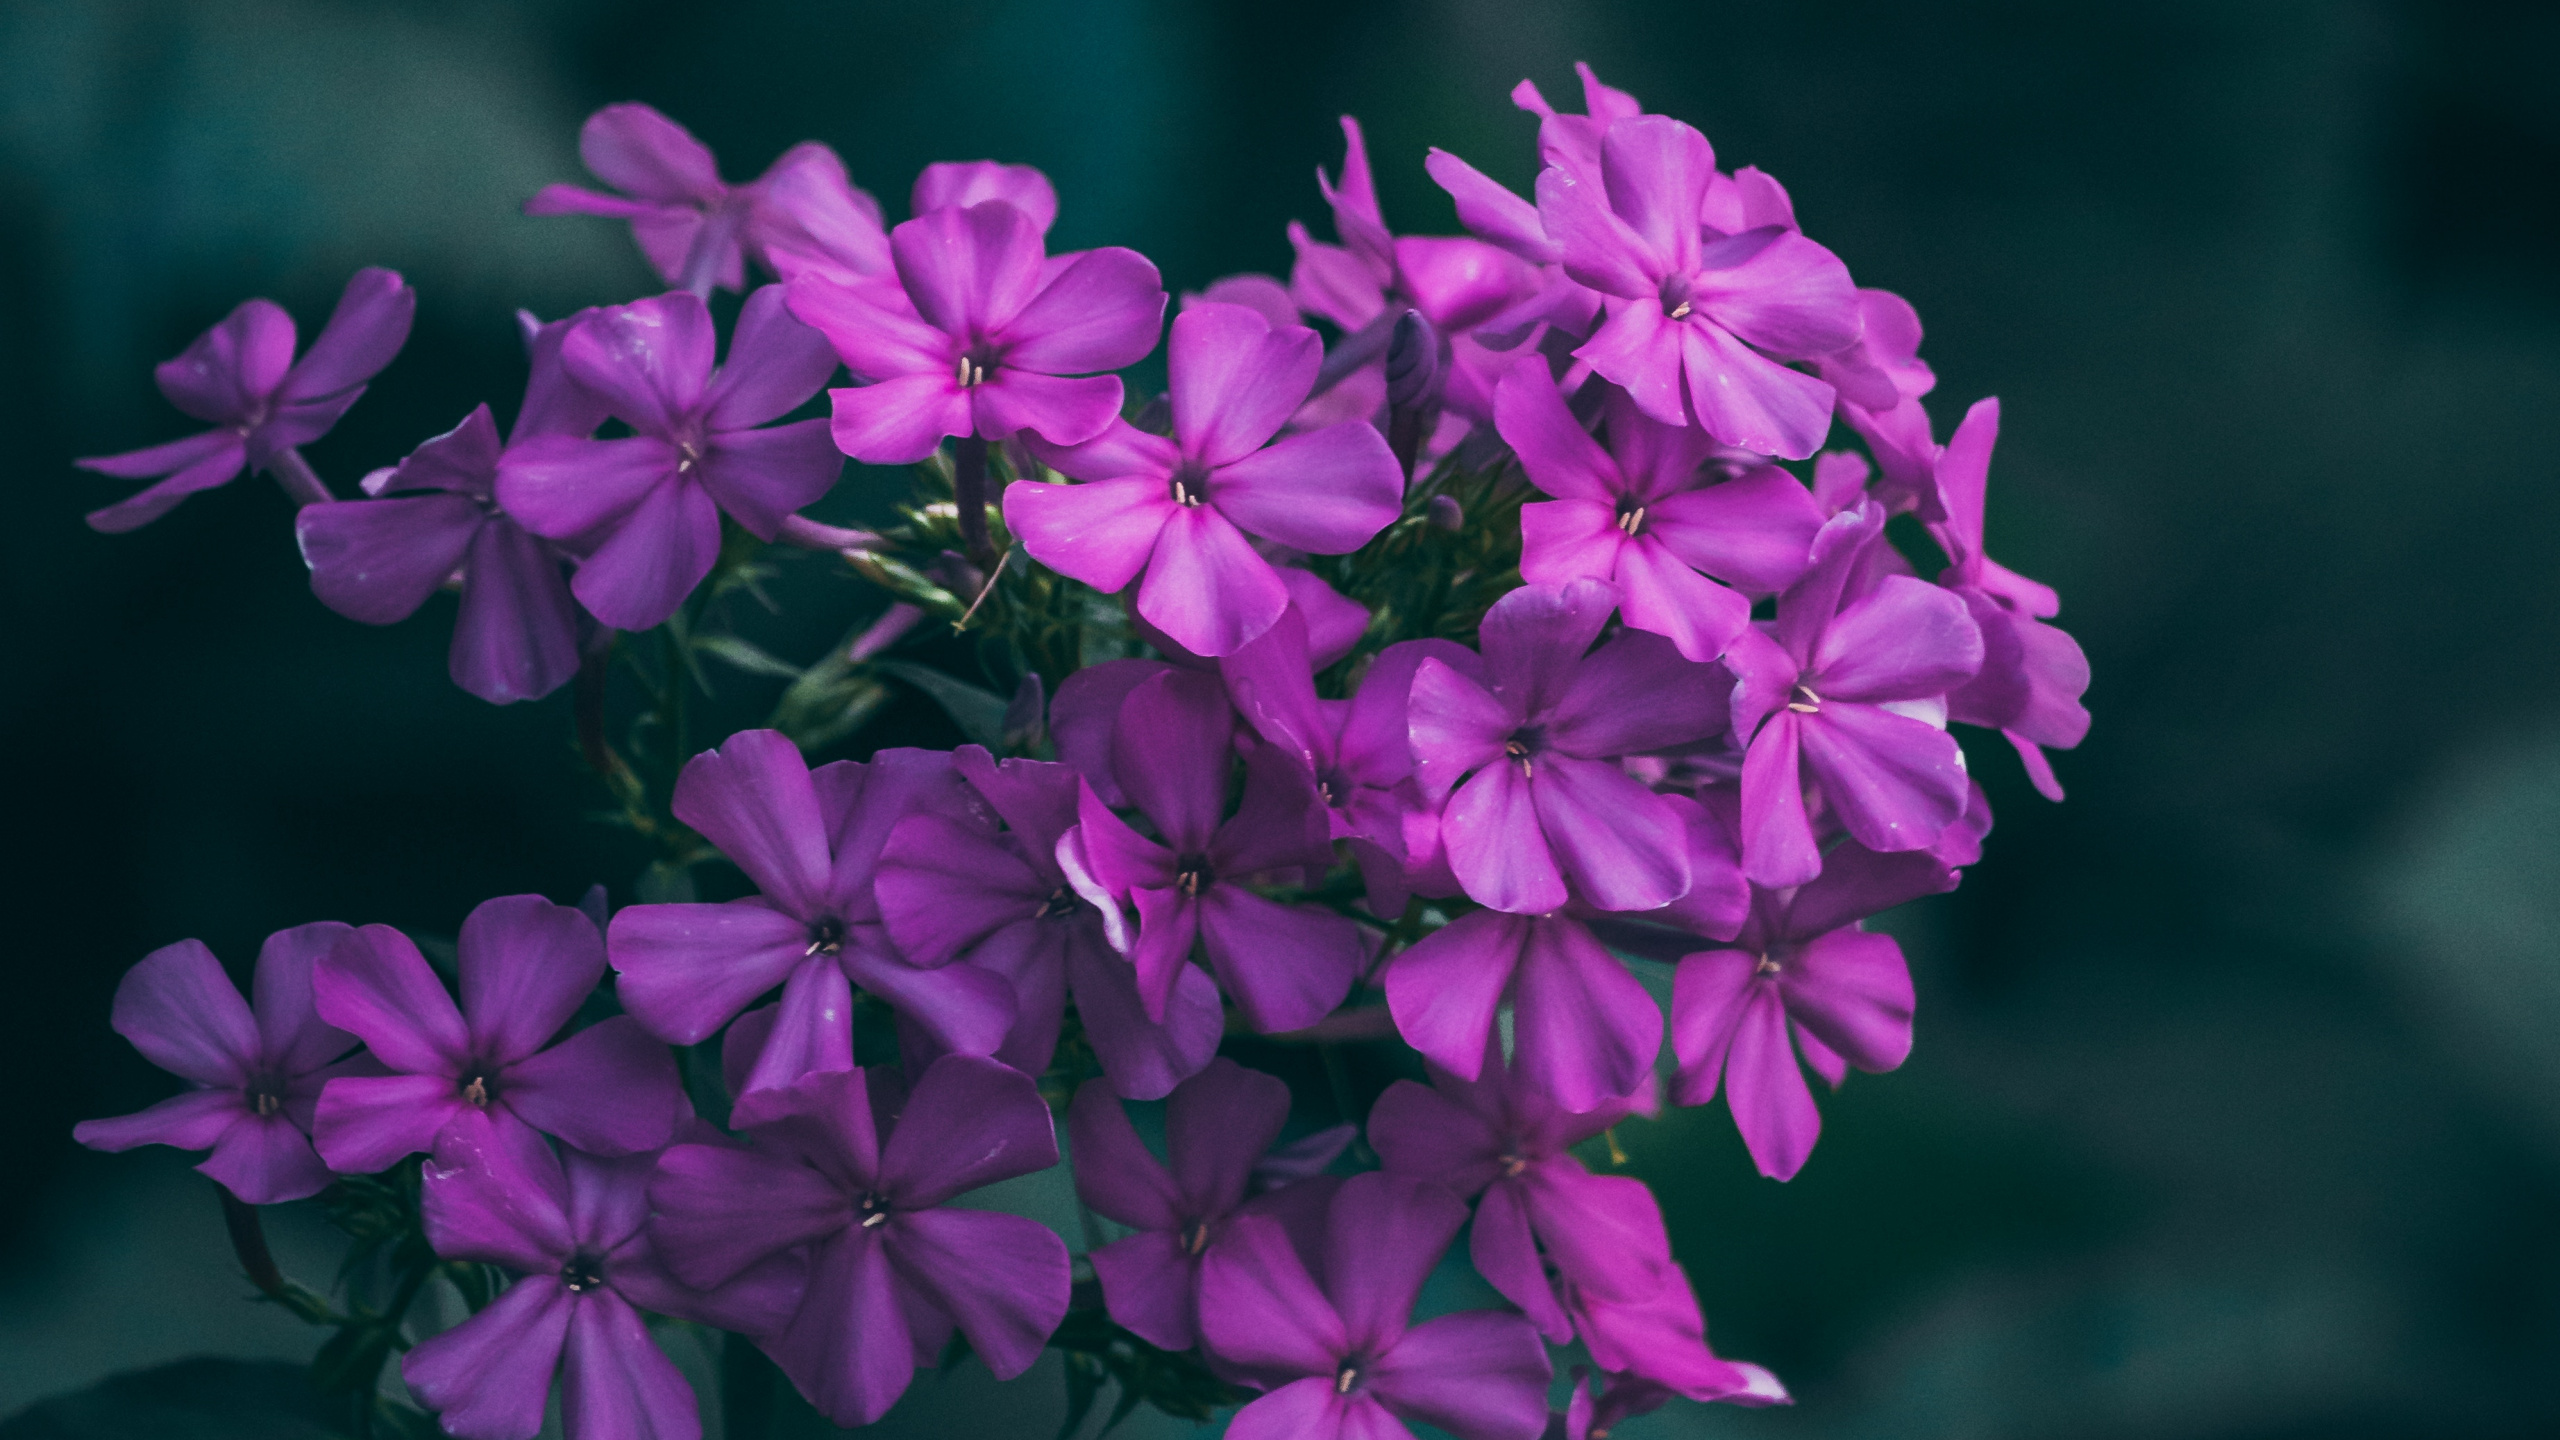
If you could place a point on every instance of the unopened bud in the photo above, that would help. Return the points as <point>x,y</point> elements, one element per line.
<point>1413,362</point>
<point>888,630</point>
<point>1443,513</point>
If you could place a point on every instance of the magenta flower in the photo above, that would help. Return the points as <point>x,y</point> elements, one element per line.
<point>1841,682</point>
<point>526,964</point>
<point>951,886</point>
<point>645,510</point>
<point>1662,1341</point>
<point>1286,966</point>
<point>1511,1143</point>
<point>1587,1031</point>
<point>811,842</point>
<point>1217,1127</point>
<point>1801,965</point>
<point>1646,515</point>
<point>241,377</point>
<point>698,231</point>
<point>1341,1358</point>
<point>892,1270</point>
<point>436,516</point>
<point>1180,509</point>
<point>259,1071</point>
<point>959,184</point>
<point>991,340</point>
<point>573,1227</point>
<point>1699,326</point>
<point>1526,759</point>
<point>2032,674</point>
<point>1571,142</point>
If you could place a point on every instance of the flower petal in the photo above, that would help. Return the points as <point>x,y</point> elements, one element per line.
<point>365,1122</point>
<point>971,182</point>
<point>1772,1105</point>
<point>1172,751</point>
<point>1102,312</point>
<point>969,1122</point>
<point>1754,531</point>
<point>526,966</point>
<point>1236,379</point>
<point>516,636</point>
<point>1115,1174</point>
<point>491,1374</point>
<point>1326,491</point>
<point>687,969</point>
<point>1622,845</point>
<point>1100,532</point>
<point>1778,846</point>
<point>902,419</point>
<point>1444,988</point>
<point>1906,639</point>
<point>1217,1125</point>
<point>608,1090</point>
<point>1287,966</point>
<point>1417,1130</point>
<point>1505,1253</point>
<point>643,571</point>
<point>1497,847</point>
<point>1745,399</point>
<point>189,1120</point>
<point>376,986</point>
<point>761,476</point>
<point>1710,992</point>
<point>219,466</point>
<point>1478,1373</point>
<point>1142,1059</point>
<point>368,327</point>
<point>1587,1030</point>
<point>649,361</point>
<point>1852,990</point>
<point>1896,782</point>
<point>183,1013</point>
<point>1383,1236</point>
<point>1259,1309</point>
<point>616,1381</point>
<point>716,1210</point>
<point>968,269</point>
<point>754,799</point>
<point>1058,409</point>
<point>1149,1284</point>
<point>266,1160</point>
<point>848,1346</point>
<point>1004,1278</point>
<point>496,1193</point>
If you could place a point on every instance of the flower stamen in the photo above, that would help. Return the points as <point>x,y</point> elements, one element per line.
<point>1806,702</point>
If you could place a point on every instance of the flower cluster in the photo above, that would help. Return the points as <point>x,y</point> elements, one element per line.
<point>1471,658</point>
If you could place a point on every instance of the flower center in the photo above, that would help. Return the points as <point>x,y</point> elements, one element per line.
<point>688,455</point>
<point>1346,1377</point>
<point>1675,297</point>
<point>1512,1165</point>
<point>826,937</point>
<point>973,371</point>
<point>1196,1239</point>
<point>475,1088</point>
<point>584,1272</point>
<point>1523,747</point>
<point>1769,964</point>
<point>1194,876</point>
<point>1806,702</point>
<point>265,1102</point>
<point>1062,902</point>
<point>874,1210</point>
<point>1190,484</point>
<point>1631,521</point>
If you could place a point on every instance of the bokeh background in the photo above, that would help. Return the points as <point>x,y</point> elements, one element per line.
<point>2236,1105</point>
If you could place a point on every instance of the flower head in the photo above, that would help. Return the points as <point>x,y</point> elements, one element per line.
<point>573,1227</point>
<point>1341,1357</point>
<point>526,965</point>
<point>1699,325</point>
<point>437,516</point>
<point>1850,682</point>
<point>1803,966</point>
<point>241,377</point>
<point>847,1166</point>
<point>989,338</point>
<point>1526,757</point>
<point>1647,515</point>
<point>644,510</point>
<point>259,1071</point>
<point>1178,511</point>
<point>811,841</point>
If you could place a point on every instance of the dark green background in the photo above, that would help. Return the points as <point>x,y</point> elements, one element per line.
<point>2236,1105</point>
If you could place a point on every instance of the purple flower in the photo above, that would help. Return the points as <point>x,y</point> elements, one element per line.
<point>1511,1143</point>
<point>1644,515</point>
<point>377,560</point>
<point>951,886</point>
<point>259,1072</point>
<point>1535,744</point>
<point>1570,142</point>
<point>1881,380</point>
<point>1699,325</point>
<point>1217,1126</point>
<point>698,231</point>
<point>1849,681</point>
<point>892,1271</point>
<point>959,184</point>
<point>241,377</point>
<point>1801,964</point>
<point>811,842</point>
<point>1286,966</point>
<point>1180,509</point>
<point>1661,1340</point>
<point>645,510</point>
<point>991,338</point>
<point>573,1226</point>
<point>2032,674</point>
<point>1587,1031</point>
<point>526,964</point>
<point>1340,1358</point>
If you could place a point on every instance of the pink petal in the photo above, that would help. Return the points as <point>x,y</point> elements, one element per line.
<point>565,487</point>
<point>1534,637</point>
<point>1004,1278</point>
<point>1896,782</point>
<point>1454,725</point>
<point>491,1374</point>
<point>1596,247</point>
<point>1635,694</point>
<point>1100,533</point>
<point>1102,312</point>
<point>753,798</point>
<point>648,361</point>
<point>1115,1174</point>
<point>1775,289</point>
<point>1141,1058</point>
<point>368,327</point>
<point>1658,592</point>
<point>1326,491</point>
<point>1656,170</point>
<point>1260,1310</point>
<point>972,182</point>
<point>1853,992</point>
<point>376,986</point>
<point>1058,409</point>
<point>1905,639</point>
<point>1383,1236</point>
<point>849,1347</point>
<point>761,476</point>
<point>1489,210</point>
<point>526,966</point>
<point>1287,966</point>
<point>1605,1231</point>
<point>873,332</point>
<point>183,1013</point>
<point>190,1120</point>
<point>365,1122</point>
<point>496,1193</point>
<point>220,466</point>
<point>776,362</point>
<point>687,969</point>
<point>1149,1283</point>
<point>902,419</point>
<point>267,1160</point>
<point>1505,1253</point>
<point>1748,400</point>
<point>377,561</point>
<point>1497,848</point>
<point>1443,989</point>
<point>1755,531</point>
<point>516,635</point>
<point>616,1381</point>
<point>718,1210</point>
<point>1778,846</point>
<point>635,148</point>
<point>1236,379</point>
<point>1559,455</point>
<point>968,269</point>
<point>1765,1086</point>
<point>233,368</point>
<point>607,1090</point>
<point>1477,1373</point>
<point>1624,849</point>
<point>1206,586</point>
<point>1587,1030</point>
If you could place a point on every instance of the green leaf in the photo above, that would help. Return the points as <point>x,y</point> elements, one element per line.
<point>979,713</point>
<point>746,655</point>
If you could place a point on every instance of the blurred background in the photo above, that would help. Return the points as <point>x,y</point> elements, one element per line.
<point>2236,1105</point>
